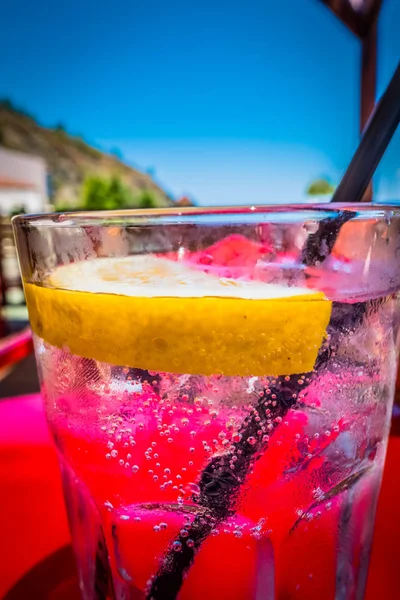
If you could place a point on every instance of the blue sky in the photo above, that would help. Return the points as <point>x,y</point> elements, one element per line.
<point>228,102</point>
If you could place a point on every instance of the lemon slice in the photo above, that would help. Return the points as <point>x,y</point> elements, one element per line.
<point>156,314</point>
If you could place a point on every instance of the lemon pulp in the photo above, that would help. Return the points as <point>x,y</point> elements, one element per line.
<point>155,314</point>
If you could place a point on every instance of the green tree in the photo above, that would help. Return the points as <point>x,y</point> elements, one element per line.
<point>17,210</point>
<point>8,104</point>
<point>146,199</point>
<point>101,193</point>
<point>60,128</point>
<point>320,187</point>
<point>67,207</point>
<point>120,195</point>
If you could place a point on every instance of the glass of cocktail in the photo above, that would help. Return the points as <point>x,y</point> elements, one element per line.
<point>220,408</point>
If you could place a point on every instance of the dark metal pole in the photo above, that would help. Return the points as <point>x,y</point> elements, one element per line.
<point>363,23</point>
<point>368,84</point>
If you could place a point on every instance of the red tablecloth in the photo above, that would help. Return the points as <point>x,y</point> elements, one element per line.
<point>32,516</point>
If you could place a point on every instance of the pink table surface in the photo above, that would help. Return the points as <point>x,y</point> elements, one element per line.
<point>32,516</point>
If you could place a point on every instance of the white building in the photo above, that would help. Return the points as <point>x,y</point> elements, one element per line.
<point>23,182</point>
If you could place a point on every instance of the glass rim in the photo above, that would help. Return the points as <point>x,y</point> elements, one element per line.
<point>222,214</point>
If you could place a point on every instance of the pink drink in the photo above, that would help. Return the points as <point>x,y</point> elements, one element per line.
<point>245,487</point>
<point>304,513</point>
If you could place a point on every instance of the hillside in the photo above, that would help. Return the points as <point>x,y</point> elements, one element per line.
<point>69,158</point>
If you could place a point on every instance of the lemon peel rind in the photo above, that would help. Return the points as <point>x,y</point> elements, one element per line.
<point>191,335</point>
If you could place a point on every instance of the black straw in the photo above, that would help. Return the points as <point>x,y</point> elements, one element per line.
<point>376,137</point>
<point>320,243</point>
<point>220,484</point>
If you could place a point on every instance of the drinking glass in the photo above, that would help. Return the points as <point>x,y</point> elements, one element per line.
<point>220,405</point>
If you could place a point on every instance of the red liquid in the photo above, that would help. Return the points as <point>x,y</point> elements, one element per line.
<point>286,540</point>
